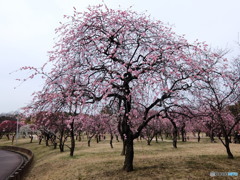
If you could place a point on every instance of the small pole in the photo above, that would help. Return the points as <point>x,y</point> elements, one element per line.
<point>17,132</point>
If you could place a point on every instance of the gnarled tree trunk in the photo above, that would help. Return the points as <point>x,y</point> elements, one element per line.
<point>128,162</point>
<point>124,148</point>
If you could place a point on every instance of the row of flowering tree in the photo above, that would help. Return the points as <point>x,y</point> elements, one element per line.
<point>127,61</point>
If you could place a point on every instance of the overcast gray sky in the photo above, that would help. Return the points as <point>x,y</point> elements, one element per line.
<point>27,32</point>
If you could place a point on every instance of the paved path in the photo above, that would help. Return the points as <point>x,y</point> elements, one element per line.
<point>9,162</point>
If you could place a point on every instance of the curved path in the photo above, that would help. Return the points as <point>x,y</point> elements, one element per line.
<point>9,162</point>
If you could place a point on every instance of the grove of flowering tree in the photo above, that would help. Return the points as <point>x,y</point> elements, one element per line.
<point>8,128</point>
<point>120,59</point>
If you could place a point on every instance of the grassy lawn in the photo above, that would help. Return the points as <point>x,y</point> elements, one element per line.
<point>191,160</point>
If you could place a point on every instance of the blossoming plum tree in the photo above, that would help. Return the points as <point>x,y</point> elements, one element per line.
<point>124,59</point>
<point>217,92</point>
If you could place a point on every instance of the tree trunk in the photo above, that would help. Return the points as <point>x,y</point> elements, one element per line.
<point>175,142</point>
<point>79,136</point>
<point>127,133</point>
<point>156,137</point>
<point>117,138</point>
<point>40,140</point>
<point>227,142</point>
<point>89,141</point>
<point>72,139</point>
<point>72,146</point>
<point>47,139</point>
<point>97,138</point>
<point>61,147</point>
<point>230,139</point>
<point>124,148</point>
<point>13,137</point>
<point>7,135</point>
<point>212,136</point>
<point>89,137</point>
<point>55,145</point>
<point>61,141</point>
<point>148,142</point>
<point>175,135</point>
<point>212,139</point>
<point>53,140</point>
<point>183,136</point>
<point>31,137</point>
<point>111,141</point>
<point>183,133</point>
<point>199,136</point>
<point>230,155</point>
<point>128,163</point>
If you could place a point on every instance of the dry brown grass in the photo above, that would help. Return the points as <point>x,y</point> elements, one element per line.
<point>159,161</point>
